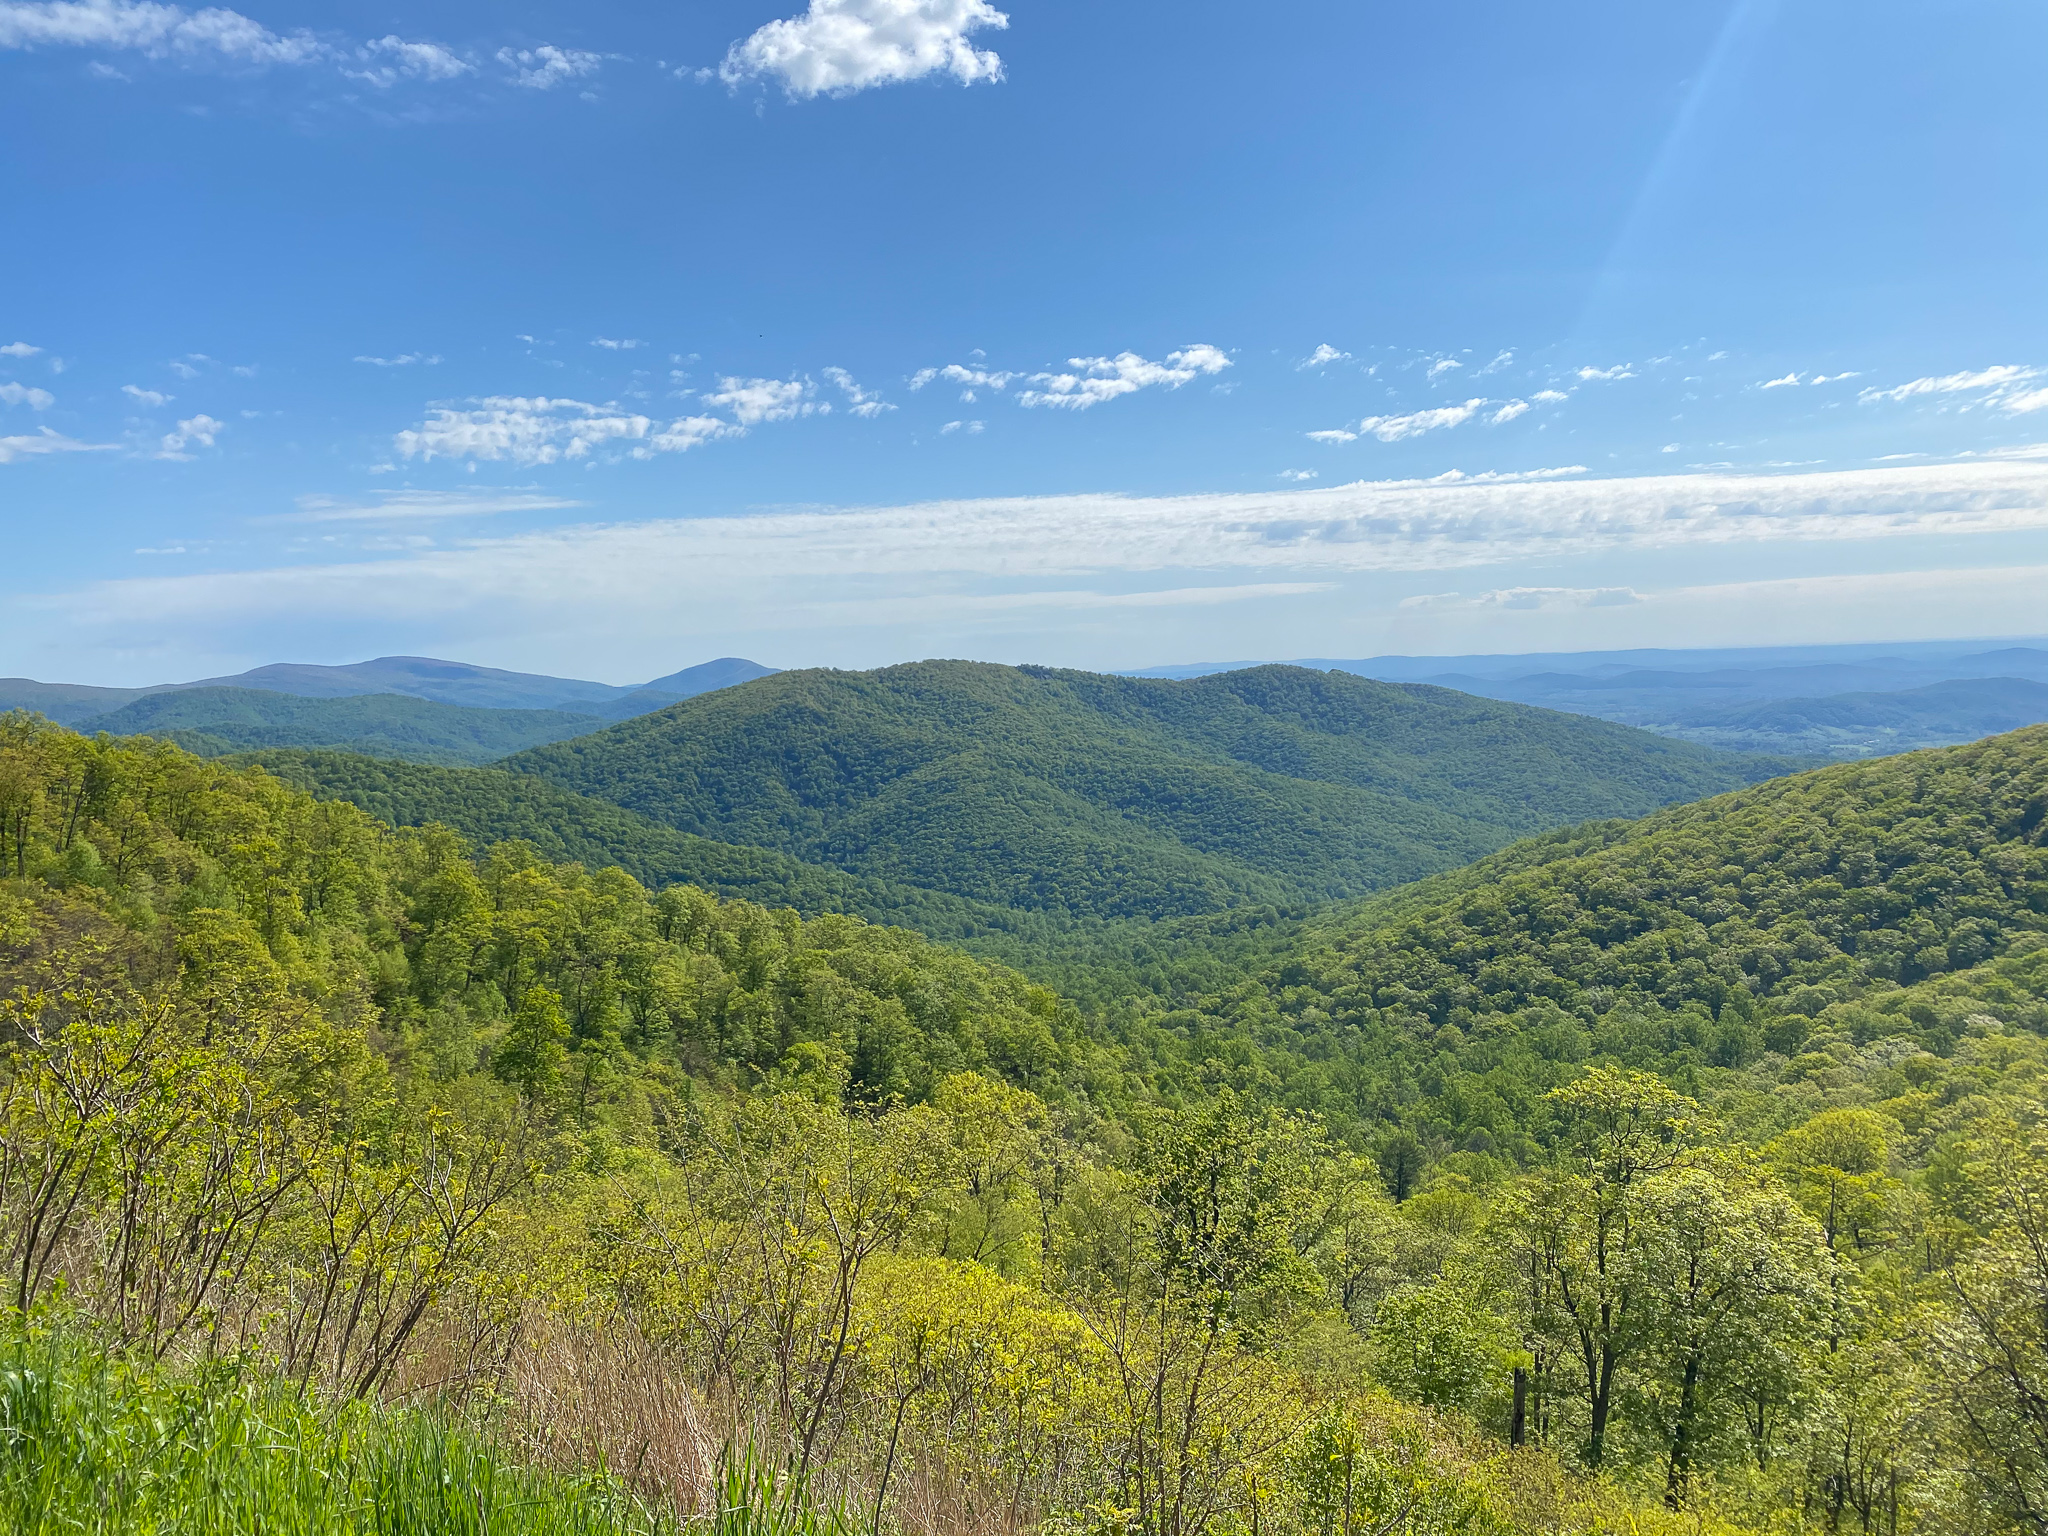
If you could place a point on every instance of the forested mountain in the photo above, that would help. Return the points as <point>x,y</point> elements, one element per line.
<point>1077,792</point>
<point>1713,1140</point>
<point>213,721</point>
<point>1747,948</point>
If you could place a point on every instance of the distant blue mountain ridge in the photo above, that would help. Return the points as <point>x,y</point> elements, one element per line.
<point>415,677</point>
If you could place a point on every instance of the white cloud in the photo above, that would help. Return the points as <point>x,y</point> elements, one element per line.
<point>539,430</point>
<point>388,60</point>
<point>545,67</point>
<point>1508,412</point>
<point>957,373</point>
<point>1442,366</point>
<point>1501,360</point>
<point>1550,396</point>
<point>1789,379</point>
<point>1669,448</point>
<point>19,349</point>
<point>2025,401</point>
<point>756,400</point>
<point>23,394</point>
<point>859,401</point>
<point>154,29</point>
<point>567,580</point>
<point>1995,383</point>
<point>200,429</point>
<point>1097,379</point>
<point>149,397</point>
<point>403,360</point>
<point>1391,429</point>
<point>46,441</point>
<point>1618,371</point>
<point>1298,475</point>
<point>838,47</point>
<point>396,506</point>
<point>622,344</point>
<point>1332,435</point>
<point>1834,378</point>
<point>971,428</point>
<point>1527,598</point>
<point>1323,355</point>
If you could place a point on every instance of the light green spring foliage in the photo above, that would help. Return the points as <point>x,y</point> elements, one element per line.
<point>922,1224</point>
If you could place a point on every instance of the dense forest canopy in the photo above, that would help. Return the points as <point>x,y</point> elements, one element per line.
<point>1119,797</point>
<point>1676,1175</point>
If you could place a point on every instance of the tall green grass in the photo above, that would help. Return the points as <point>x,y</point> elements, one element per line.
<point>92,1444</point>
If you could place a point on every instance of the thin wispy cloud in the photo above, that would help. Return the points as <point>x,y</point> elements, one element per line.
<point>13,449</point>
<point>753,401</point>
<point>151,398</point>
<point>409,505</point>
<point>859,401</point>
<point>838,47</point>
<point>403,360</point>
<point>23,394</point>
<point>2003,385</point>
<point>546,67</point>
<point>1323,356</point>
<point>576,575</point>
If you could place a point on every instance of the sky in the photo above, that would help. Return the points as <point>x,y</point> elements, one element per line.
<point>600,340</point>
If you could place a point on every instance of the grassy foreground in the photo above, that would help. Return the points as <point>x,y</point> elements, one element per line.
<point>90,1444</point>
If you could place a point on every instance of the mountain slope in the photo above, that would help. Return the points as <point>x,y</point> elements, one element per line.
<point>380,724</point>
<point>1077,792</point>
<point>1739,942</point>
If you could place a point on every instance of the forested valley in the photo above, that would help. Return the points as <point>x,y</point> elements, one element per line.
<point>1682,1174</point>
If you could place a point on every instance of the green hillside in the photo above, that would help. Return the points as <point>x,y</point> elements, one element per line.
<point>215,720</point>
<point>1123,797</point>
<point>1740,946</point>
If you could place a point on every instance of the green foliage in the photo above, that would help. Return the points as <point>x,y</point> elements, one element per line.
<point>1074,792</point>
<point>217,721</point>
<point>1751,949</point>
<point>88,1443</point>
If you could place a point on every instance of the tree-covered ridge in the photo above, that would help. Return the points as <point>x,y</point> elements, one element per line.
<point>401,927</point>
<point>1071,791</point>
<point>214,721</point>
<point>1729,945</point>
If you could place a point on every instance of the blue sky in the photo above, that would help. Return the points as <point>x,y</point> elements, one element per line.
<point>604,339</point>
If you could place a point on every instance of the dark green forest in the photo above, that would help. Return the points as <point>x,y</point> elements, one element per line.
<point>1676,1174</point>
<point>1125,797</point>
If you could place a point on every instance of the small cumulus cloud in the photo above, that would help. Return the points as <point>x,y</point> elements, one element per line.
<point>1442,366</point>
<point>1789,379</point>
<point>19,349</point>
<point>24,394</point>
<point>1323,356</point>
<point>1298,474</point>
<point>539,430</point>
<point>149,397</point>
<point>385,61</point>
<point>1618,371</point>
<point>1508,412</point>
<point>200,430</point>
<point>752,401</point>
<point>859,401</point>
<point>1097,379</point>
<point>1391,429</point>
<point>545,67</point>
<point>616,344</point>
<point>838,47</point>
<point>1550,396</point>
<point>971,428</point>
